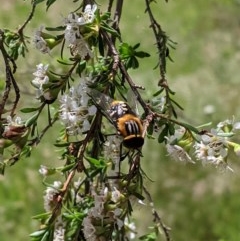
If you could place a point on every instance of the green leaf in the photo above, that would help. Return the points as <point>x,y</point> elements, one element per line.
<point>158,92</point>
<point>136,46</point>
<point>109,29</point>
<point>149,237</point>
<point>161,137</point>
<point>124,50</point>
<point>26,151</point>
<point>142,54</point>
<point>37,1</point>
<point>40,217</point>
<point>68,167</point>
<point>59,28</point>
<point>61,144</point>
<point>132,63</point>
<point>31,120</point>
<point>96,163</point>
<point>2,168</point>
<point>49,3</point>
<point>100,45</point>
<point>81,67</point>
<point>178,105</point>
<point>105,16</point>
<point>29,110</point>
<point>64,62</point>
<point>171,129</point>
<point>138,195</point>
<point>38,233</point>
<point>189,127</point>
<point>150,129</point>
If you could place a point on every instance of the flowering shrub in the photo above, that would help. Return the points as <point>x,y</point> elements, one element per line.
<point>94,202</point>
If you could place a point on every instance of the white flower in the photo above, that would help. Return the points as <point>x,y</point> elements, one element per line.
<point>80,47</point>
<point>13,123</point>
<point>16,122</point>
<point>75,111</point>
<point>130,229</point>
<point>178,153</point>
<point>175,151</point>
<point>209,109</point>
<point>116,213</point>
<point>39,41</point>
<point>72,32</point>
<point>116,195</point>
<point>99,201</point>
<point>201,151</point>
<point>159,103</point>
<point>58,234</point>
<point>43,170</point>
<point>88,14</point>
<point>50,196</point>
<point>228,125</point>
<point>112,148</point>
<point>212,149</point>
<point>41,77</point>
<point>72,35</point>
<point>88,229</point>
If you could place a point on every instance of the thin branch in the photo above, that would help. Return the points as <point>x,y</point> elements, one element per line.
<point>118,64</point>
<point>9,78</point>
<point>109,9</point>
<point>161,40</point>
<point>20,30</point>
<point>57,209</point>
<point>117,17</point>
<point>156,216</point>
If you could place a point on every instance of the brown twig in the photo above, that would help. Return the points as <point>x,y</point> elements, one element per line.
<point>157,218</point>
<point>20,30</point>
<point>9,78</point>
<point>117,17</point>
<point>118,64</point>
<point>161,41</point>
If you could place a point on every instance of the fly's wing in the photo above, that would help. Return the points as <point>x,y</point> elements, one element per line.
<point>102,102</point>
<point>132,102</point>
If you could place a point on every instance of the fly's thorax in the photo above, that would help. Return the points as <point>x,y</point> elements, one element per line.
<point>118,109</point>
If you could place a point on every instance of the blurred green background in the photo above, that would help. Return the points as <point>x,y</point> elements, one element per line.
<point>198,203</point>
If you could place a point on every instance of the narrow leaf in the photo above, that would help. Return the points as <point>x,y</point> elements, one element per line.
<point>29,110</point>
<point>161,137</point>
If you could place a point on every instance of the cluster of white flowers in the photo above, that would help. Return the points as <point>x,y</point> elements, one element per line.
<point>112,152</point>
<point>101,213</point>
<point>13,122</point>
<point>59,230</point>
<point>41,78</point>
<point>72,34</point>
<point>178,153</point>
<point>212,147</point>
<point>40,42</point>
<point>174,148</point>
<point>95,212</point>
<point>75,110</point>
<point>130,228</point>
<point>87,15</point>
<point>50,201</point>
<point>228,125</point>
<point>50,196</point>
<point>89,229</point>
